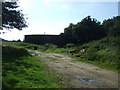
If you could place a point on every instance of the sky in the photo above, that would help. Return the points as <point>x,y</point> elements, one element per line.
<point>52,16</point>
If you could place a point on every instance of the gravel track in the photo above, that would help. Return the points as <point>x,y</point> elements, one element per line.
<point>74,74</point>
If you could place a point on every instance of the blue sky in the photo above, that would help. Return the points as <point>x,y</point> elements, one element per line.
<point>51,17</point>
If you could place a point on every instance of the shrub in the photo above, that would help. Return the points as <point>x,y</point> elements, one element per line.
<point>90,54</point>
<point>47,47</point>
<point>8,52</point>
<point>50,46</point>
<point>28,46</point>
<point>70,45</point>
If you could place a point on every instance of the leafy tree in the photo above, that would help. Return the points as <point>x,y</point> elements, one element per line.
<point>87,30</point>
<point>91,29</point>
<point>112,26</point>
<point>11,17</point>
<point>69,31</point>
<point>106,25</point>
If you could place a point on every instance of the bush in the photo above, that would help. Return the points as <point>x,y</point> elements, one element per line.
<point>29,46</point>
<point>90,54</point>
<point>47,47</point>
<point>9,53</point>
<point>50,46</point>
<point>70,45</point>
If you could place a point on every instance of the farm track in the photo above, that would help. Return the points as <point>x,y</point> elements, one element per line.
<point>74,74</point>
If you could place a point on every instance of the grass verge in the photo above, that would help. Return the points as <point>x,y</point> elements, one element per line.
<point>25,71</point>
<point>99,64</point>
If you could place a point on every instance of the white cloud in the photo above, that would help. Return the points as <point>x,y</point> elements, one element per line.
<point>64,6</point>
<point>12,35</point>
<point>84,0</point>
<point>46,2</point>
<point>40,28</point>
<point>62,25</point>
<point>35,28</point>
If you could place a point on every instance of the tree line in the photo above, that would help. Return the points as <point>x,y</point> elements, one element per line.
<point>90,29</point>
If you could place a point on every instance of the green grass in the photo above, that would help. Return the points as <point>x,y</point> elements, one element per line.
<point>99,64</point>
<point>46,47</point>
<point>57,50</point>
<point>25,71</point>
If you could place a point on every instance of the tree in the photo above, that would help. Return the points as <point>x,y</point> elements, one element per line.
<point>87,30</point>
<point>69,30</point>
<point>11,17</point>
<point>112,26</point>
<point>107,24</point>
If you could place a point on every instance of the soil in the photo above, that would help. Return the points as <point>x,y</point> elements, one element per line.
<point>74,74</point>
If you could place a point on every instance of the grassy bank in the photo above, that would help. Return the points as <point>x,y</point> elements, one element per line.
<point>104,53</point>
<point>20,70</point>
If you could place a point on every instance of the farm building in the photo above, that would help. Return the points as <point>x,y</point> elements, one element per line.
<point>43,39</point>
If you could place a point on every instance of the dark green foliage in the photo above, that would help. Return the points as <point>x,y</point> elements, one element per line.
<point>90,54</point>
<point>117,44</point>
<point>70,45</point>
<point>49,45</point>
<point>90,29</point>
<point>29,46</point>
<point>8,53</point>
<point>37,47</point>
<point>112,26</point>
<point>87,30</point>
<point>12,18</point>
<point>69,30</point>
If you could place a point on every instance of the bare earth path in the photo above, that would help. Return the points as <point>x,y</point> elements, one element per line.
<point>74,74</point>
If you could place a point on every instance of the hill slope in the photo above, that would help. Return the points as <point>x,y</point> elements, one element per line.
<point>105,51</point>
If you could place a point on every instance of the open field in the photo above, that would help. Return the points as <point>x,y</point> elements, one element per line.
<point>10,43</point>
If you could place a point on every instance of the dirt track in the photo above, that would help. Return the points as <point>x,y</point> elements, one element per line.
<point>74,74</point>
